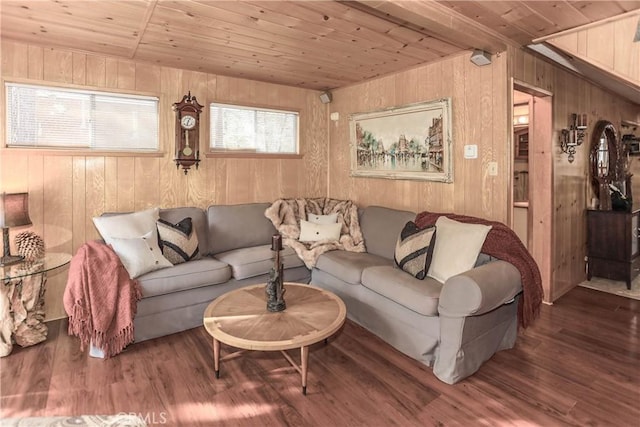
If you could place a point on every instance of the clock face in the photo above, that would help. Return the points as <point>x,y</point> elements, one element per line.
<point>188,122</point>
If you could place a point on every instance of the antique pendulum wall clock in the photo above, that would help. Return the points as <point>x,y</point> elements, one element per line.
<point>187,132</point>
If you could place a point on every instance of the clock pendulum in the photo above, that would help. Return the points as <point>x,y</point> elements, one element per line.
<point>187,151</point>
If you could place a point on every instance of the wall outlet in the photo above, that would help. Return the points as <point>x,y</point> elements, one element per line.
<point>493,168</point>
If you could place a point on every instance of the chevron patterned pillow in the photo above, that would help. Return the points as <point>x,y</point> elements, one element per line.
<point>179,242</point>
<point>414,249</point>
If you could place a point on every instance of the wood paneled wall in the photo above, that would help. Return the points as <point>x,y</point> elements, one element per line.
<point>66,190</point>
<point>571,189</point>
<point>610,46</point>
<point>480,114</point>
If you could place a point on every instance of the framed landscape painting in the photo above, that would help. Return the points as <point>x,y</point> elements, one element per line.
<point>408,142</point>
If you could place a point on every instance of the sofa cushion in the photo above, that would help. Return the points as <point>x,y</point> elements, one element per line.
<point>198,221</point>
<point>128,225</point>
<point>316,232</point>
<point>179,242</point>
<point>323,219</point>
<point>421,296</point>
<point>250,262</point>
<point>414,249</point>
<point>348,266</point>
<point>238,226</point>
<point>381,226</point>
<point>140,255</point>
<point>457,247</point>
<point>188,275</point>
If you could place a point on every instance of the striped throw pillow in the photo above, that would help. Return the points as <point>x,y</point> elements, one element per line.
<point>414,249</point>
<point>179,242</point>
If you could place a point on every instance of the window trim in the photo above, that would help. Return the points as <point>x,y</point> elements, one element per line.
<point>238,154</point>
<point>250,154</point>
<point>87,151</point>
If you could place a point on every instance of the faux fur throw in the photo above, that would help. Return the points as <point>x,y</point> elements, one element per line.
<point>285,214</point>
<point>100,299</point>
<point>504,244</point>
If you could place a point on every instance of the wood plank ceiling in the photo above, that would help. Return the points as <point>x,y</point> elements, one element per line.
<point>311,44</point>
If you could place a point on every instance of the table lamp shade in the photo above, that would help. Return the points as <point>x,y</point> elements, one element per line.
<point>14,210</point>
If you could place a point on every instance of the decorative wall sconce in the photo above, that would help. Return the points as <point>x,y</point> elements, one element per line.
<point>573,137</point>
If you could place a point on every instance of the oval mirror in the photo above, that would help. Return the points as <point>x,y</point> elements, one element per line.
<point>604,154</point>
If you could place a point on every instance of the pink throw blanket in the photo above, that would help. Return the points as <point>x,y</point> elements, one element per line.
<point>100,299</point>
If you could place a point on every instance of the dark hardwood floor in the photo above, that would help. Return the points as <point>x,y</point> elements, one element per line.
<point>578,365</point>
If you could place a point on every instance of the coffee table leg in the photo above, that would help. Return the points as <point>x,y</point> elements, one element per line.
<point>216,357</point>
<point>304,358</point>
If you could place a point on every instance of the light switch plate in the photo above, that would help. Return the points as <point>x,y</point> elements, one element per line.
<point>493,168</point>
<point>335,116</point>
<point>471,151</point>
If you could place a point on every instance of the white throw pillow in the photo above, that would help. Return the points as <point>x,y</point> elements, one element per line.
<point>140,255</point>
<point>323,219</point>
<point>310,232</point>
<point>126,226</point>
<point>456,248</point>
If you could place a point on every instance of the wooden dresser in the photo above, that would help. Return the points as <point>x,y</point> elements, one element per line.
<point>613,244</point>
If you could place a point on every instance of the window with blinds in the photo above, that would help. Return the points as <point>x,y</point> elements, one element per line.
<point>53,117</point>
<point>256,130</point>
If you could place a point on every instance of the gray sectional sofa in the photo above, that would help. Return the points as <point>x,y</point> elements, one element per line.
<point>452,327</point>
<point>236,243</point>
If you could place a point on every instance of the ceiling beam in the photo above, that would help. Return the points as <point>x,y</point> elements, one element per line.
<point>143,26</point>
<point>437,21</point>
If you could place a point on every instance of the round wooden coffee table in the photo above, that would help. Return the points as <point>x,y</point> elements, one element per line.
<point>240,319</point>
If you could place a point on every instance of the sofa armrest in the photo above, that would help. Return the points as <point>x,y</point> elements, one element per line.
<point>479,290</point>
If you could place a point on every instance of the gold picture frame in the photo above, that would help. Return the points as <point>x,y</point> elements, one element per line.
<point>407,142</point>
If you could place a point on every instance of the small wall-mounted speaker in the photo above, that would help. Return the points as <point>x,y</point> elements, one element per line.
<point>325,97</point>
<point>480,57</point>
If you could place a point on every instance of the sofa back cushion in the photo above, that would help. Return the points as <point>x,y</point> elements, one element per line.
<point>381,227</point>
<point>238,226</point>
<point>198,221</point>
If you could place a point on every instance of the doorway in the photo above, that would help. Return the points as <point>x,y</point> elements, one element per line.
<point>522,105</point>
<point>532,163</point>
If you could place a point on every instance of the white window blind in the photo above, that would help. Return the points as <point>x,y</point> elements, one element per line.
<point>43,116</point>
<point>251,129</point>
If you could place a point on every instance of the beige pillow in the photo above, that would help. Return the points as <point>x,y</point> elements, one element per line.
<point>457,247</point>
<point>140,255</point>
<point>323,219</point>
<point>126,226</point>
<point>310,232</point>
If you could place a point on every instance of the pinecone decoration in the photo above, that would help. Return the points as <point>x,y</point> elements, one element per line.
<point>30,245</point>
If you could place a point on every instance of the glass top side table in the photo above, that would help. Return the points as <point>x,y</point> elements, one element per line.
<point>22,301</point>
<point>42,265</point>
